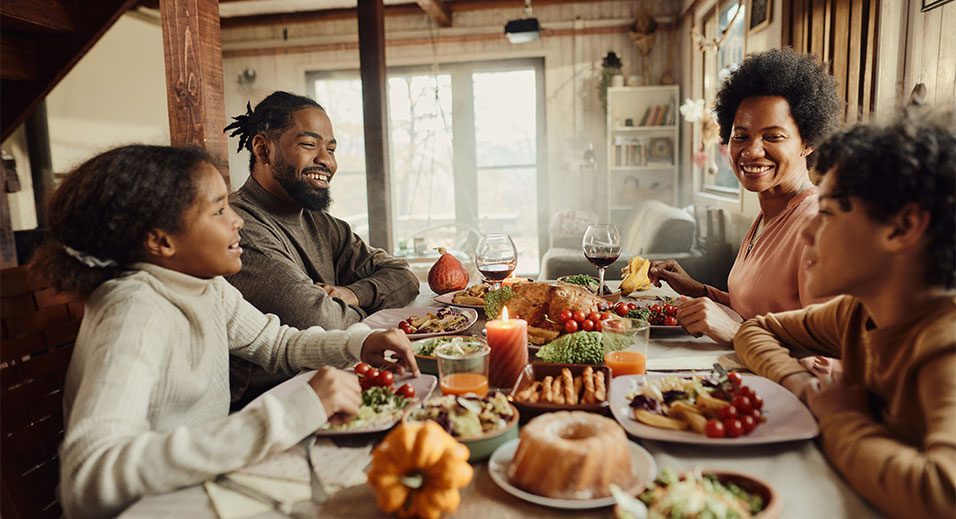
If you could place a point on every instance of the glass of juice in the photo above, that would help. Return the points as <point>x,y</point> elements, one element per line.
<point>633,360</point>
<point>463,368</point>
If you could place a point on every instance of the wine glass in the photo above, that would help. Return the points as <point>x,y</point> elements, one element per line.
<point>602,246</point>
<point>496,258</point>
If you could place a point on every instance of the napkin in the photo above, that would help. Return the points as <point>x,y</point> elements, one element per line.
<point>285,476</point>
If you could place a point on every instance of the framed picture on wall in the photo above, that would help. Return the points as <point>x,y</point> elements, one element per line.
<point>759,12</point>
<point>933,4</point>
<point>660,151</point>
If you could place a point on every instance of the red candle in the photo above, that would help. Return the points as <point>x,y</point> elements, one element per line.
<point>508,339</point>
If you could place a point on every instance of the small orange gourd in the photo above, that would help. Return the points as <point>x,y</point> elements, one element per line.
<point>417,470</point>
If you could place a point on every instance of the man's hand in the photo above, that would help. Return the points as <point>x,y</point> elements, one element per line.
<point>340,292</point>
<point>837,397</point>
<point>338,390</point>
<point>395,341</point>
<point>676,277</point>
<point>703,316</point>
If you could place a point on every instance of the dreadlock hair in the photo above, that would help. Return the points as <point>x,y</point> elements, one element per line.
<point>910,160</point>
<point>102,212</point>
<point>270,117</point>
<point>799,78</point>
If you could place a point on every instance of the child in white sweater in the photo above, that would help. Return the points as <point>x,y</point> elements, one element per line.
<point>146,234</point>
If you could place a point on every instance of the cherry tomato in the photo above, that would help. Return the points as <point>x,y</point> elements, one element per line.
<point>655,308</point>
<point>735,379</point>
<point>564,315</point>
<point>621,309</point>
<point>631,307</point>
<point>715,429</point>
<point>603,307</point>
<point>749,424</point>
<point>657,320</point>
<point>361,368</point>
<point>727,412</point>
<point>372,376</point>
<point>747,392</point>
<point>598,327</point>
<point>578,316</point>
<point>594,316</point>
<point>405,327</point>
<point>670,310</point>
<point>756,402</point>
<point>385,378</point>
<point>743,405</point>
<point>670,320</point>
<point>365,383</point>
<point>570,326</point>
<point>734,428</point>
<point>606,315</point>
<point>406,391</point>
<point>587,325</point>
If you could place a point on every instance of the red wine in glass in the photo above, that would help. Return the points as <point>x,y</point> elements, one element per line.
<point>602,260</point>
<point>601,246</point>
<point>496,272</point>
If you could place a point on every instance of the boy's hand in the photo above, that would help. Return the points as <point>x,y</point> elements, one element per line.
<point>378,344</point>
<point>338,390</point>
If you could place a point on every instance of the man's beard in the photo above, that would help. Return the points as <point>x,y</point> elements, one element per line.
<point>299,189</point>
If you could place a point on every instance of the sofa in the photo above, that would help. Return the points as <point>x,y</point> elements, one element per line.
<point>653,230</point>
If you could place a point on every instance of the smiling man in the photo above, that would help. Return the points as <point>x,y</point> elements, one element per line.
<point>300,262</point>
<point>885,236</point>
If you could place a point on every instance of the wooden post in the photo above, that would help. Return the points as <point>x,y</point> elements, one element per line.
<point>371,26</point>
<point>194,87</point>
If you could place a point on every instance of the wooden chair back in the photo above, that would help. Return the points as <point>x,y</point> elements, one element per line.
<point>37,330</point>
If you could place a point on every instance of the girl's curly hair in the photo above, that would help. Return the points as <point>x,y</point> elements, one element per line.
<point>105,208</point>
<point>910,160</point>
<point>799,78</point>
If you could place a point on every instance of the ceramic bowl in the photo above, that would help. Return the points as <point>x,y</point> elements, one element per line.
<point>482,446</point>
<point>429,364</point>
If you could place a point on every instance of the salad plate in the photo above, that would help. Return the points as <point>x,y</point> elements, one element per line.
<point>787,419</point>
<point>391,317</point>
<point>643,467</point>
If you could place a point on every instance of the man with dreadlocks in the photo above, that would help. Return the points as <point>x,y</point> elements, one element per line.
<point>300,262</point>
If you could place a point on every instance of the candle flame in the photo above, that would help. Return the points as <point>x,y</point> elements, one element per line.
<point>504,313</point>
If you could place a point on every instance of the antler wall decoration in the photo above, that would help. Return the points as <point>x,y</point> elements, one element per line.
<point>714,44</point>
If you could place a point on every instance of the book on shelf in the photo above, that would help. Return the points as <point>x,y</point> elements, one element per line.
<point>647,115</point>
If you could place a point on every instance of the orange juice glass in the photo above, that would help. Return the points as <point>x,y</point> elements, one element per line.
<point>463,369</point>
<point>625,362</point>
<point>464,383</point>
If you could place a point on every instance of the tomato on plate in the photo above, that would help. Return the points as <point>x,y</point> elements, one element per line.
<point>598,327</point>
<point>372,375</point>
<point>578,315</point>
<point>742,403</point>
<point>621,309</point>
<point>385,378</point>
<point>756,402</point>
<point>570,326</point>
<point>727,412</point>
<point>631,307</point>
<point>606,315</point>
<point>655,308</point>
<point>587,325</point>
<point>365,382</point>
<point>749,423</point>
<point>361,368</point>
<point>715,429</point>
<point>406,391</point>
<point>735,379</point>
<point>594,316</point>
<point>734,428</point>
<point>564,315</point>
<point>670,310</point>
<point>670,320</point>
<point>405,327</point>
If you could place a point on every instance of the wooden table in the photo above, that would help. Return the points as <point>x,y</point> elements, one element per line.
<point>801,475</point>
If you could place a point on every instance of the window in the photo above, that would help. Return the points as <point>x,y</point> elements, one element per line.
<point>727,18</point>
<point>458,168</point>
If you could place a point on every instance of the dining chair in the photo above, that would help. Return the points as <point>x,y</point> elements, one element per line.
<point>37,330</point>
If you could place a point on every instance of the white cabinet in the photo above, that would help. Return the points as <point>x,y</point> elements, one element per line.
<point>642,147</point>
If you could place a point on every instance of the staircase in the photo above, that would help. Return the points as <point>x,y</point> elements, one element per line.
<point>40,41</point>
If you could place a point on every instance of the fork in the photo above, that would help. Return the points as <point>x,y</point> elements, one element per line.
<point>226,482</point>
<point>318,492</point>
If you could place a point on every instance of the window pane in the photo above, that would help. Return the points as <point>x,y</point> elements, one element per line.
<point>505,110</point>
<point>717,172</point>
<point>507,204</point>
<point>423,181</point>
<point>342,99</point>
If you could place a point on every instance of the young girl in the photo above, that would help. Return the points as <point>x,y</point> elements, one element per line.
<point>145,233</point>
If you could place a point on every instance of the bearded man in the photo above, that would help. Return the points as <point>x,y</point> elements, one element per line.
<point>300,262</point>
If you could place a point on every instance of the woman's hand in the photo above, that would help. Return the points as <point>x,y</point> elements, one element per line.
<point>703,316</point>
<point>378,344</point>
<point>676,277</point>
<point>338,390</point>
<point>836,398</point>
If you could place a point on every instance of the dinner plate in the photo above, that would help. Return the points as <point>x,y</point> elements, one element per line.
<point>787,418</point>
<point>423,384</point>
<point>643,467</point>
<point>389,318</point>
<point>448,299</point>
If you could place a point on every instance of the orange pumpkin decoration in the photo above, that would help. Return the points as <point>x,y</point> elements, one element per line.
<point>417,470</point>
<point>447,274</point>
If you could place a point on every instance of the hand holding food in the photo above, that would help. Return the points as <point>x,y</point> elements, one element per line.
<point>338,390</point>
<point>380,403</point>
<point>378,344</point>
<point>676,277</point>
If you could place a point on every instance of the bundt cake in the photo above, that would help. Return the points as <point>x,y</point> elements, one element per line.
<point>571,455</point>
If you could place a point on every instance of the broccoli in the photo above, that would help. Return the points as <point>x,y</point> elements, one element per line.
<point>495,300</point>
<point>574,348</point>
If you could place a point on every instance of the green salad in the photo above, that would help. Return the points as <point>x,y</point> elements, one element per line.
<point>462,345</point>
<point>583,280</point>
<point>467,416</point>
<point>697,495</point>
<point>380,406</point>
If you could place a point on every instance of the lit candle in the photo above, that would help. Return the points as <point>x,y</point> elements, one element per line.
<point>508,339</point>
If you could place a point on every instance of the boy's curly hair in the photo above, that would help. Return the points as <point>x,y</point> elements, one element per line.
<point>799,78</point>
<point>910,160</point>
<point>106,207</point>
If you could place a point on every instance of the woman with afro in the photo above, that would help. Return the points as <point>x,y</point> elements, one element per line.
<point>773,111</point>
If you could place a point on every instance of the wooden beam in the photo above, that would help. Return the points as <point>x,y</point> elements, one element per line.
<point>371,29</point>
<point>194,85</point>
<point>40,16</point>
<point>18,56</point>
<point>438,10</point>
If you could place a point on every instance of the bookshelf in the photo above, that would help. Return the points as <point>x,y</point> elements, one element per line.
<point>643,140</point>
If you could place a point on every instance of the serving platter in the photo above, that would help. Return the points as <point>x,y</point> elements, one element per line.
<point>389,318</point>
<point>449,299</point>
<point>787,418</point>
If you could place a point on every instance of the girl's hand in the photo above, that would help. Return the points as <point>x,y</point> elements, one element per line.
<point>378,344</point>
<point>676,277</point>
<point>703,316</point>
<point>837,397</point>
<point>338,390</point>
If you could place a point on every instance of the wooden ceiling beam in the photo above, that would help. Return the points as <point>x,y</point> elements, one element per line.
<point>38,16</point>
<point>438,10</point>
<point>18,56</point>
